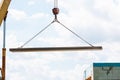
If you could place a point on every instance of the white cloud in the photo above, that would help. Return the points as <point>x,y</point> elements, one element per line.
<point>75,74</point>
<point>15,76</point>
<point>100,17</point>
<point>12,41</point>
<point>108,7</point>
<point>31,2</point>
<point>22,15</point>
<point>38,16</point>
<point>17,14</point>
<point>1,35</point>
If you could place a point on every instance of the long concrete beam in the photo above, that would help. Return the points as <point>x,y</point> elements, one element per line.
<point>46,49</point>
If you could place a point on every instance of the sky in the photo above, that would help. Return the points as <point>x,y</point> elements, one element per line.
<point>97,21</point>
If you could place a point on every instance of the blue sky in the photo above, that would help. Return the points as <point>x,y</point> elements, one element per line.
<point>97,21</point>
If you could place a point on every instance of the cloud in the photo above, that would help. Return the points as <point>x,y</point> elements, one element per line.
<point>42,72</point>
<point>31,3</point>
<point>111,50</point>
<point>93,20</point>
<point>1,34</point>
<point>38,15</point>
<point>12,41</point>
<point>17,14</point>
<point>22,15</point>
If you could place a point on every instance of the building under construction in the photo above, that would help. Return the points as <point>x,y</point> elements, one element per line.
<point>103,71</point>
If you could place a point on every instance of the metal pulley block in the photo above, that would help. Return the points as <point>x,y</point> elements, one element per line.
<point>55,11</point>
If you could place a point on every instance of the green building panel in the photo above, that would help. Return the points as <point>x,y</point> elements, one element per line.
<point>103,71</point>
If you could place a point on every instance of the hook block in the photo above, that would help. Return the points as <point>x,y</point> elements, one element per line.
<point>55,11</point>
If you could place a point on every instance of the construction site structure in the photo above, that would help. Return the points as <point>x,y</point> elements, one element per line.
<point>102,71</point>
<point>4,4</point>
